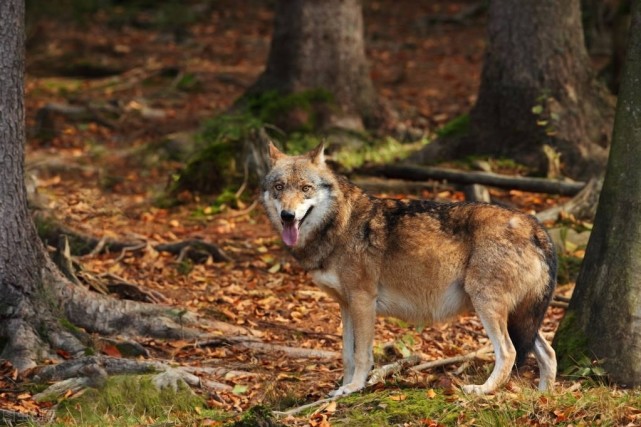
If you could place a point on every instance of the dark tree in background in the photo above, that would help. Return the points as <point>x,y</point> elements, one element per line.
<point>603,320</point>
<point>40,310</point>
<point>320,45</point>
<point>537,88</point>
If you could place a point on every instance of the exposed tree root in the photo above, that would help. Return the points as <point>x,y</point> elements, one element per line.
<point>581,206</point>
<point>11,418</point>
<point>82,244</point>
<point>93,371</point>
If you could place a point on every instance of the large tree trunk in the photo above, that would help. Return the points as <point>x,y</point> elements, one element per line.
<point>320,45</point>
<point>537,88</point>
<point>40,311</point>
<point>604,317</point>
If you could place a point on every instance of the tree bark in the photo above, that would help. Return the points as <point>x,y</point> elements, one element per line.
<point>537,88</point>
<point>41,312</point>
<point>605,310</point>
<point>320,45</point>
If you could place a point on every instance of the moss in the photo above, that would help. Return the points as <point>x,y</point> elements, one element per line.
<point>129,400</point>
<point>569,267</point>
<point>377,152</point>
<point>299,109</point>
<point>458,126</point>
<point>572,350</point>
<point>395,407</point>
<point>217,160</point>
<point>257,416</point>
<point>594,405</point>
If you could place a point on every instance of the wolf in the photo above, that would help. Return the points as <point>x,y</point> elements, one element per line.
<point>417,260</point>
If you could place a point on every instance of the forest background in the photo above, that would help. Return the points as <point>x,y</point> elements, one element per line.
<point>144,128</point>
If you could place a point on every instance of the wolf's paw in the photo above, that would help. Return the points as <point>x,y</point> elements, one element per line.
<point>345,390</point>
<point>474,389</point>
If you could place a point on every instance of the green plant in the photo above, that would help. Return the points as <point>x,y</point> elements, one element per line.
<point>456,127</point>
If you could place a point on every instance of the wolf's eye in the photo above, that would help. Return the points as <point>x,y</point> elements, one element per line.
<point>306,188</point>
<point>279,187</point>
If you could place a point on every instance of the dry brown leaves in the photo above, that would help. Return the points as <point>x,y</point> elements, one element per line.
<point>430,74</point>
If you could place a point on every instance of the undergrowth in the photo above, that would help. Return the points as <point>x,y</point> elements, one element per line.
<point>591,405</point>
<point>131,400</point>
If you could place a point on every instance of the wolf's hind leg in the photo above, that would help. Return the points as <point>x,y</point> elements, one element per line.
<point>348,345</point>
<point>495,323</point>
<point>546,358</point>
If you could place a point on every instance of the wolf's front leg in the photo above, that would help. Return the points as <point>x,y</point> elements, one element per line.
<point>348,345</point>
<point>362,314</point>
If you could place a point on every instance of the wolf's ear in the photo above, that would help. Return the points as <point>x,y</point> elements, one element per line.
<point>317,155</point>
<point>274,153</point>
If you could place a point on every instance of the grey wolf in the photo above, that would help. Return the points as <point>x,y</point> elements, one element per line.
<point>417,260</point>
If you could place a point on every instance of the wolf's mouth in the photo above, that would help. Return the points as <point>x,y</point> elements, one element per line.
<point>290,228</point>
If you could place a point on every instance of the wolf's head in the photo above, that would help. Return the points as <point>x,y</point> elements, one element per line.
<point>297,193</point>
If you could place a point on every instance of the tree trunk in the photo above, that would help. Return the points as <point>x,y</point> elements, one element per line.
<point>319,45</point>
<point>41,312</point>
<point>537,88</point>
<point>604,315</point>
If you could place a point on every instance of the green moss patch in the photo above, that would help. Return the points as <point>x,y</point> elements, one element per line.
<point>130,400</point>
<point>419,407</point>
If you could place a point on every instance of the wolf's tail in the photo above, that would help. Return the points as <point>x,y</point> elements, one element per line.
<point>524,322</point>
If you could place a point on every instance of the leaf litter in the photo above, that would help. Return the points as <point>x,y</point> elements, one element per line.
<point>428,72</point>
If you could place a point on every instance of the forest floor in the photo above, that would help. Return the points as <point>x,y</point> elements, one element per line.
<point>163,72</point>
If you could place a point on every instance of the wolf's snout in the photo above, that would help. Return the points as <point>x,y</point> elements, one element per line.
<point>287,216</point>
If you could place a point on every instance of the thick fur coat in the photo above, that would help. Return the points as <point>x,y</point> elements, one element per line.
<point>417,260</point>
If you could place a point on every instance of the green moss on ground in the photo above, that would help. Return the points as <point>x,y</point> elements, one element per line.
<point>598,405</point>
<point>131,400</point>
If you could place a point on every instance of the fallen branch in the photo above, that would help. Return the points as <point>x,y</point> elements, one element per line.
<point>375,185</point>
<point>304,407</point>
<point>262,347</point>
<point>378,375</point>
<point>423,173</point>
<point>478,354</point>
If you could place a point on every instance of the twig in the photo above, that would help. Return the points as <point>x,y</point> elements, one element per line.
<point>379,374</point>
<point>132,248</point>
<point>456,359</point>
<point>245,179</point>
<point>99,247</point>
<point>302,408</point>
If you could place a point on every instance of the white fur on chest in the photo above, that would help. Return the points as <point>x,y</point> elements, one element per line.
<point>327,279</point>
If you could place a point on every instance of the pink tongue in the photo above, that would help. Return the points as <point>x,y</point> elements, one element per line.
<point>290,233</point>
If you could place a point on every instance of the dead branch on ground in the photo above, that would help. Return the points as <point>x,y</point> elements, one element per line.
<point>482,353</point>
<point>380,374</point>
<point>423,173</point>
